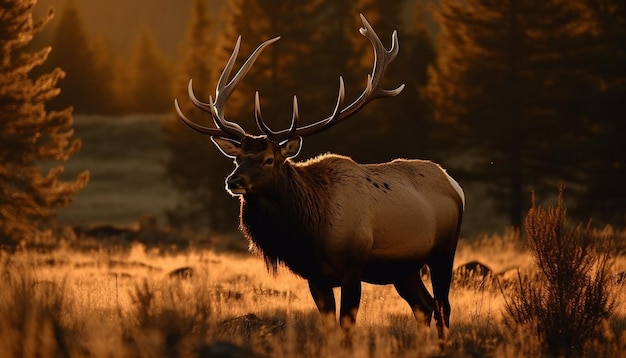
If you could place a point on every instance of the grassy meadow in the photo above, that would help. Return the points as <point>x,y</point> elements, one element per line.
<point>125,157</point>
<point>81,298</point>
<point>147,291</point>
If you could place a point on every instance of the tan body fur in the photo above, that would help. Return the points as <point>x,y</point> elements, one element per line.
<point>336,223</point>
<point>384,213</point>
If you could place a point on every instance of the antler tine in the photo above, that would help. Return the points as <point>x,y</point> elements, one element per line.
<point>280,136</point>
<point>388,57</point>
<point>223,90</point>
<point>294,118</point>
<point>202,105</point>
<point>209,107</point>
<point>259,118</point>
<point>382,59</point>
<point>321,125</point>
<point>202,129</point>
<point>372,91</point>
<point>224,125</point>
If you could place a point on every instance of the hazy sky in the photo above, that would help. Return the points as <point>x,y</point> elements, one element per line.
<point>121,20</point>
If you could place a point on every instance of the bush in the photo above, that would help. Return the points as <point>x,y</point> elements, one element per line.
<point>571,295</point>
<point>34,318</point>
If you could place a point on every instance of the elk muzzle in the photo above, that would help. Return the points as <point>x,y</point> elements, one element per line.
<point>237,184</point>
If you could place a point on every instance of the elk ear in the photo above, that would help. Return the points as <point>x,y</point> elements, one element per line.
<point>228,147</point>
<point>291,147</point>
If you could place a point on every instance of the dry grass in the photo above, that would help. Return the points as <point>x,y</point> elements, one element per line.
<point>128,303</point>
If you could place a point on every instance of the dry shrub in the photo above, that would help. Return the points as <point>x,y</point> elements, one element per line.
<point>171,317</point>
<point>33,316</point>
<point>570,297</point>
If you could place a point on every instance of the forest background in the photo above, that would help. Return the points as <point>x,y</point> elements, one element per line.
<point>509,97</point>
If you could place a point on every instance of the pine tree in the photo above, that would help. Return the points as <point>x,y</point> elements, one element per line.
<point>195,168</point>
<point>400,126</point>
<point>82,86</point>
<point>416,132</point>
<point>150,77</point>
<point>508,76</point>
<point>340,50</point>
<point>32,137</point>
<point>604,196</point>
<point>105,66</point>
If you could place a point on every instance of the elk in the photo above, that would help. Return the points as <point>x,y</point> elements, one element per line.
<point>330,220</point>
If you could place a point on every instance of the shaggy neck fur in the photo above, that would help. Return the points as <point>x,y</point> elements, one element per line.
<point>282,224</point>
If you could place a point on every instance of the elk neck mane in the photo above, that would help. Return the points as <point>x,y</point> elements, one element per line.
<point>282,224</point>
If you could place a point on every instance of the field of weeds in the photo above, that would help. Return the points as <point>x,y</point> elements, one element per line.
<point>80,300</point>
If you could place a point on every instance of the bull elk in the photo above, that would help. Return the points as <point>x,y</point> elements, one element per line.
<point>331,220</point>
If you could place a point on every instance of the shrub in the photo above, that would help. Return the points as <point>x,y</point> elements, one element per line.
<point>33,315</point>
<point>170,317</point>
<point>571,294</point>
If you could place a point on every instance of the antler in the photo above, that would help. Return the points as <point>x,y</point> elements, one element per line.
<point>225,128</point>
<point>373,90</point>
<point>231,130</point>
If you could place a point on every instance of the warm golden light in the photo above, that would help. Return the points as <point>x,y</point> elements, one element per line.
<point>126,303</point>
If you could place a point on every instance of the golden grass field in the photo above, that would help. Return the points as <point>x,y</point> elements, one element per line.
<point>83,298</point>
<point>69,294</point>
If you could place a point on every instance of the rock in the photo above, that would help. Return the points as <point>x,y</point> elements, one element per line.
<point>184,273</point>
<point>473,269</point>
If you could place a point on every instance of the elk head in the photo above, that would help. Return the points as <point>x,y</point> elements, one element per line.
<point>259,159</point>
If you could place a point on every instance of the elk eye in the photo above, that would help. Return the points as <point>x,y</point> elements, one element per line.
<point>269,161</point>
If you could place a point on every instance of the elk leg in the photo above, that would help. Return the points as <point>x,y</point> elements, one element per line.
<point>350,300</point>
<point>325,301</point>
<point>441,276</point>
<point>417,296</point>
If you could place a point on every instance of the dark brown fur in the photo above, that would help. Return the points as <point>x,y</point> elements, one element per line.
<point>282,224</point>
